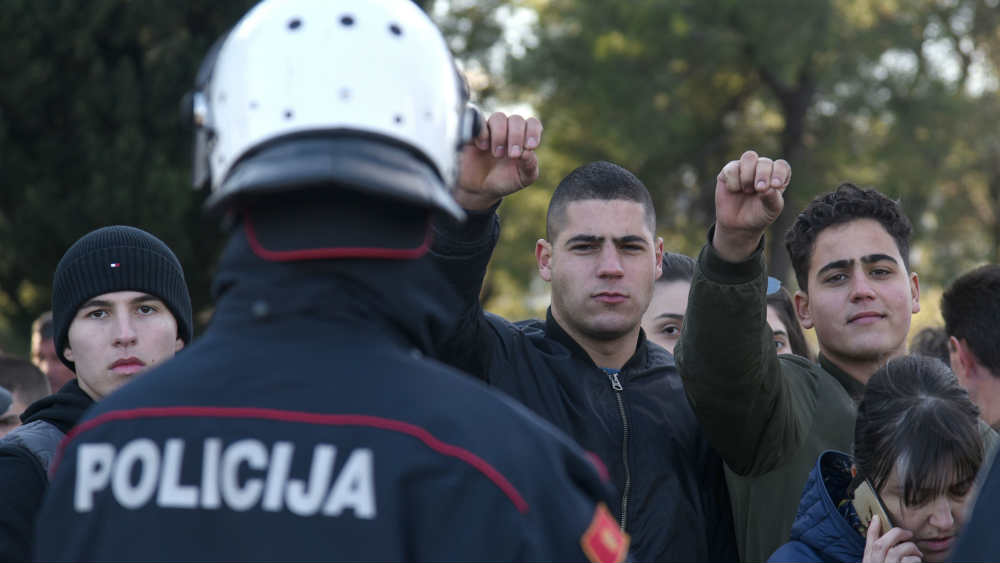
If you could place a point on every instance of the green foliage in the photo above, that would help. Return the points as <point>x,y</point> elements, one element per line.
<point>877,92</point>
<point>91,135</point>
<point>896,94</point>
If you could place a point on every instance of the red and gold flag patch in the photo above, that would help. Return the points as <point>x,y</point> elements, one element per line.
<point>604,541</point>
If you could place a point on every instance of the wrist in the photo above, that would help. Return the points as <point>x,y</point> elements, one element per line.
<point>735,246</point>
<point>473,201</point>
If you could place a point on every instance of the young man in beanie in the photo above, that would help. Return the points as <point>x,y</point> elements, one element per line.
<point>308,422</point>
<point>120,307</point>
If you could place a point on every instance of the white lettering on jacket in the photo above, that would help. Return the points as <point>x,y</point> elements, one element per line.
<point>243,475</point>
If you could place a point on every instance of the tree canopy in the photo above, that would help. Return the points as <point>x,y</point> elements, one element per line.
<point>901,95</point>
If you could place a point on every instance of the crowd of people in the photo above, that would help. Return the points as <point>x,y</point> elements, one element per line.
<point>351,399</point>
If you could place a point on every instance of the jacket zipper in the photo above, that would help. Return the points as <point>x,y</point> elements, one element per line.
<point>616,385</point>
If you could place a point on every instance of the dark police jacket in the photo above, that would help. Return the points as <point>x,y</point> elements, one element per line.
<point>307,423</point>
<point>673,499</point>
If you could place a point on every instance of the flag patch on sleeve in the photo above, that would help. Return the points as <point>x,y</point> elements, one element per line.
<point>604,541</point>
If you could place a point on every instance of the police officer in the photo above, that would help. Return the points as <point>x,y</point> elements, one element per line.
<point>307,422</point>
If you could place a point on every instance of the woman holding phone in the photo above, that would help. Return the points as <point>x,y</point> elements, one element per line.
<point>902,498</point>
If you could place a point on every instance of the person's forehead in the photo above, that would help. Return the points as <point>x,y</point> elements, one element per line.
<point>774,318</point>
<point>852,241</point>
<point>605,217</point>
<point>670,295</point>
<point>123,297</point>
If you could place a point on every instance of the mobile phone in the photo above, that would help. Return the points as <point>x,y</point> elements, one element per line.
<point>867,503</point>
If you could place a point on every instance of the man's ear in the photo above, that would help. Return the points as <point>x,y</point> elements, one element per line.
<point>801,299</point>
<point>962,358</point>
<point>659,258</point>
<point>178,345</point>
<point>543,255</point>
<point>68,353</point>
<point>915,290</point>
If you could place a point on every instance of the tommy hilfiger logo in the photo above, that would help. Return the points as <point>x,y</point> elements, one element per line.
<point>115,264</point>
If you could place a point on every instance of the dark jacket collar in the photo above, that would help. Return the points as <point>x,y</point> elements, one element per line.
<point>854,388</point>
<point>556,332</point>
<point>407,298</point>
<point>63,409</point>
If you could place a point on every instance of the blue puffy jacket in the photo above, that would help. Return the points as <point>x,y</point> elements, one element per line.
<point>823,529</point>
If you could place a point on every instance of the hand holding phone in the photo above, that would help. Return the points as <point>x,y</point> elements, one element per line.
<point>892,547</point>
<point>867,503</point>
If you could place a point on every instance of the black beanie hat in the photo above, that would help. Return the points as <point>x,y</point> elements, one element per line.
<point>117,258</point>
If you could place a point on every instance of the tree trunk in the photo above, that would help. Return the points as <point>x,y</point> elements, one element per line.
<point>795,102</point>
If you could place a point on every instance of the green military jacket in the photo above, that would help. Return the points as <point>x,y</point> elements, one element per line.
<point>768,416</point>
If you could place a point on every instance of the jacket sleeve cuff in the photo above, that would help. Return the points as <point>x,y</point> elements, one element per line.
<point>718,270</point>
<point>452,238</point>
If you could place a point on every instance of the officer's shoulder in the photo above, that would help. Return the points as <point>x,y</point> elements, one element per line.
<point>489,406</point>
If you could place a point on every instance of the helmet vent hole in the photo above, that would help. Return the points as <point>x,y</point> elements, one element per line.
<point>345,94</point>
<point>294,24</point>
<point>395,29</point>
<point>398,119</point>
<point>288,114</point>
<point>347,20</point>
<point>253,104</point>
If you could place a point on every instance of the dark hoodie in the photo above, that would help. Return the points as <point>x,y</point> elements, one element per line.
<point>22,472</point>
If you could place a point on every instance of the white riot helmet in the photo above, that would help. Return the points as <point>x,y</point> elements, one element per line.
<point>360,93</point>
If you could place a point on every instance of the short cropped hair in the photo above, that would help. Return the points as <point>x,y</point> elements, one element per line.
<point>597,180</point>
<point>931,341</point>
<point>677,267</point>
<point>916,417</point>
<point>971,309</point>
<point>847,203</point>
<point>24,381</point>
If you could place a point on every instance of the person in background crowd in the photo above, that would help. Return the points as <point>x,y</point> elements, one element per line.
<point>770,415</point>
<point>971,311</point>
<point>784,323</point>
<point>931,341</point>
<point>588,367</point>
<point>26,385</point>
<point>918,445</point>
<point>9,421</point>
<point>664,318</point>
<point>120,307</point>
<point>43,352</point>
<point>309,422</point>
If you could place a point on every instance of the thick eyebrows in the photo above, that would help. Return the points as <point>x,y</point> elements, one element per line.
<point>872,258</point>
<point>835,265</point>
<point>590,239</point>
<point>144,298</point>
<point>597,239</point>
<point>630,239</point>
<point>95,303</point>
<point>676,316</point>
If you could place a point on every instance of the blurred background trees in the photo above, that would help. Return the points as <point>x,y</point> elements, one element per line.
<point>901,95</point>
